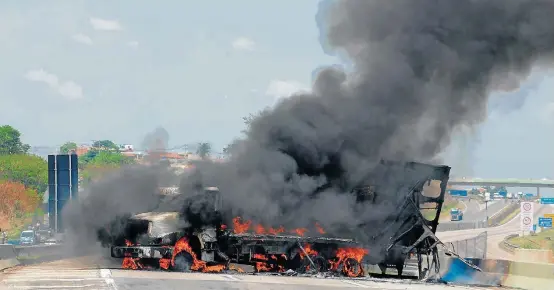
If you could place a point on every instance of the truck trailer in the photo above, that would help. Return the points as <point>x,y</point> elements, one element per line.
<point>213,245</point>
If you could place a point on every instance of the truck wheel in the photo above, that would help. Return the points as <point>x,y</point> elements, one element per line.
<point>321,264</point>
<point>183,262</point>
<point>352,268</point>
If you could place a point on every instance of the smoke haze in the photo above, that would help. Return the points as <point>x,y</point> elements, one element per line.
<point>420,69</point>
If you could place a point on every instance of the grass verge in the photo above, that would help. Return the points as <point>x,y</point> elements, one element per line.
<point>445,211</point>
<point>541,241</point>
<point>510,216</point>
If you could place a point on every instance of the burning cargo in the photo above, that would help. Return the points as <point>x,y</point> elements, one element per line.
<point>208,244</point>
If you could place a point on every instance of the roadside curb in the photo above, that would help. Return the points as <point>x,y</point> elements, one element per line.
<point>8,263</point>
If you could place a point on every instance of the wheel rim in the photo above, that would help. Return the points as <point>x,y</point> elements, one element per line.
<point>182,262</point>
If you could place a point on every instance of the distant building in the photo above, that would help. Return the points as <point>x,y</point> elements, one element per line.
<point>127,148</point>
<point>82,150</point>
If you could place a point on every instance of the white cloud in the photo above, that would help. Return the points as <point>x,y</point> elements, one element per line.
<point>285,88</point>
<point>133,44</point>
<point>243,43</point>
<point>81,38</point>
<point>103,24</point>
<point>68,89</point>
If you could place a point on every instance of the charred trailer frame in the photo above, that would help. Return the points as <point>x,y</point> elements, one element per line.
<point>407,189</point>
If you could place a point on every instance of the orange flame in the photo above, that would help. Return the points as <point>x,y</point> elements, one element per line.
<point>343,257</point>
<point>129,262</point>
<point>260,230</point>
<point>300,231</point>
<point>197,265</point>
<point>240,227</point>
<point>319,229</point>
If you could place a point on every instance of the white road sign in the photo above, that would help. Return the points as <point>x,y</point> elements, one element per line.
<point>526,216</point>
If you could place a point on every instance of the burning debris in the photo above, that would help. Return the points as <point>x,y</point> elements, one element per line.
<point>292,256</point>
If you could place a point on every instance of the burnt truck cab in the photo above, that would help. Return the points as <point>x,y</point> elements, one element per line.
<point>152,235</point>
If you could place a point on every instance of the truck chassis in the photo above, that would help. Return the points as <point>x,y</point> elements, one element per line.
<point>403,233</point>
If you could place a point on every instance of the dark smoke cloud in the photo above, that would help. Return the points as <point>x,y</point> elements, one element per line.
<point>130,190</point>
<point>157,140</point>
<point>420,69</point>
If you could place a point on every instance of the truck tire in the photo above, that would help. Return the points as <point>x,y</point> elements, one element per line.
<point>183,262</point>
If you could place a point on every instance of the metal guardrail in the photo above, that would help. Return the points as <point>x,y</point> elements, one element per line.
<point>507,246</point>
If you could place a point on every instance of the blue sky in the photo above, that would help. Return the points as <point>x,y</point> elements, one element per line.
<point>88,70</point>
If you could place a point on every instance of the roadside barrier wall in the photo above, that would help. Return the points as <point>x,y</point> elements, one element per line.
<point>8,257</point>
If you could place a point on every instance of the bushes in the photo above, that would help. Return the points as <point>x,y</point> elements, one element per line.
<point>17,201</point>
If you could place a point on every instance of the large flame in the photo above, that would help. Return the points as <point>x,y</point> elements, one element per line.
<point>182,245</point>
<point>129,262</point>
<point>241,227</point>
<point>345,260</point>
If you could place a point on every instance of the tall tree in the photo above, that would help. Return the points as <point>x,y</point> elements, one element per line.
<point>204,149</point>
<point>10,141</point>
<point>68,147</point>
<point>16,200</point>
<point>105,145</point>
<point>29,170</point>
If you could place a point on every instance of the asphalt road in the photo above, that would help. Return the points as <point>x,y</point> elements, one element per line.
<point>494,234</point>
<point>476,212</point>
<point>69,274</point>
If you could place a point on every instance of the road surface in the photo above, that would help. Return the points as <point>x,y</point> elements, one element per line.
<point>495,234</point>
<point>475,211</point>
<point>69,274</point>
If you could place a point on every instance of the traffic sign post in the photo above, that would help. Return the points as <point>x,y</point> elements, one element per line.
<point>545,222</point>
<point>547,200</point>
<point>526,217</point>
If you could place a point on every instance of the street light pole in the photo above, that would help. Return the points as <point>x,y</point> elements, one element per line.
<point>487,213</point>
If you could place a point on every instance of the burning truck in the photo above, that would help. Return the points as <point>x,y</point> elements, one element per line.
<point>208,244</point>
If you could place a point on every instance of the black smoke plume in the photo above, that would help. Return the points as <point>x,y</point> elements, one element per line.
<point>417,71</point>
<point>420,69</point>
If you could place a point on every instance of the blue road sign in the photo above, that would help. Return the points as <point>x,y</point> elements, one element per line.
<point>458,192</point>
<point>545,222</point>
<point>547,200</point>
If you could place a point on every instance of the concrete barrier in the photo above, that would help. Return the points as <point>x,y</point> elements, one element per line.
<point>534,256</point>
<point>8,257</point>
<point>498,273</point>
<point>7,252</point>
<point>37,250</point>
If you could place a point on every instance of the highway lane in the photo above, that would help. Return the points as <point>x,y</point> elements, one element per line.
<point>68,274</point>
<point>495,234</point>
<point>475,211</point>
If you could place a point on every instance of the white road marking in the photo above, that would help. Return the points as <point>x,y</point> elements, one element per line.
<point>107,275</point>
<point>230,277</point>
<point>54,286</point>
<point>354,283</point>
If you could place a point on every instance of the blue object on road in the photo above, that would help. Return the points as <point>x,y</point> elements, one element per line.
<point>456,214</point>
<point>503,193</point>
<point>534,227</point>
<point>545,222</point>
<point>458,192</point>
<point>547,200</point>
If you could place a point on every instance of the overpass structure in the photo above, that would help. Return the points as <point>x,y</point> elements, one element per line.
<point>507,182</point>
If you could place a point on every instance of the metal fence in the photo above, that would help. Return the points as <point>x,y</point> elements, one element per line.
<point>471,248</point>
